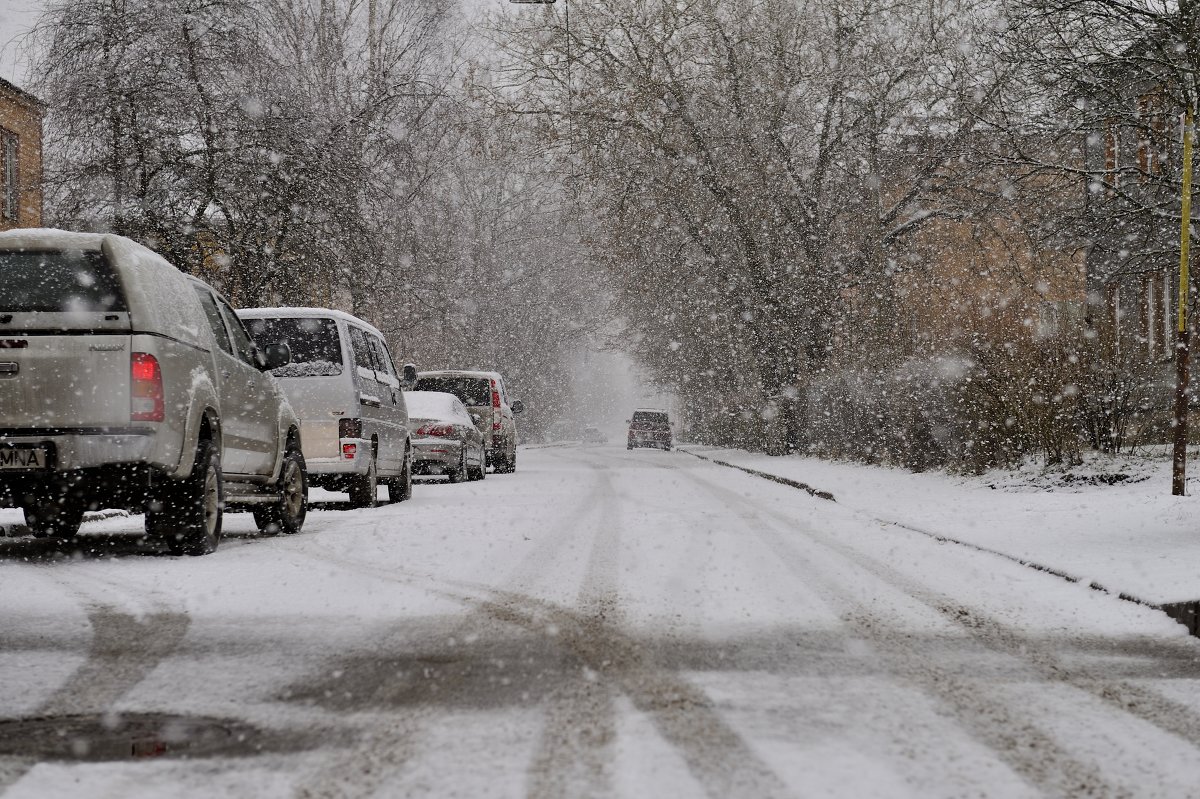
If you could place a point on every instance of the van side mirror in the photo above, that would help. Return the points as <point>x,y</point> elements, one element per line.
<point>410,375</point>
<point>518,406</point>
<point>275,356</point>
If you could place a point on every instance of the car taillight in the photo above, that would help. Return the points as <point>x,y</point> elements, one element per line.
<point>349,451</point>
<point>436,430</point>
<point>349,428</point>
<point>145,389</point>
<point>495,395</point>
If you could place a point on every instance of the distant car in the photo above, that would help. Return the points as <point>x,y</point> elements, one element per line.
<point>125,383</point>
<point>593,435</point>
<point>650,427</point>
<point>486,399</point>
<point>345,389</point>
<point>445,438</point>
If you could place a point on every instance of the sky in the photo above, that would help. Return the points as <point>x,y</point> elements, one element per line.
<point>16,17</point>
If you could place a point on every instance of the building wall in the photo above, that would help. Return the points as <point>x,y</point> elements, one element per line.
<point>21,117</point>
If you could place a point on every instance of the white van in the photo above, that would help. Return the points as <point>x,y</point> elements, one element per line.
<point>344,386</point>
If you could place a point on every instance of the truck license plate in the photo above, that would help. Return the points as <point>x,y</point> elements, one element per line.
<point>22,458</point>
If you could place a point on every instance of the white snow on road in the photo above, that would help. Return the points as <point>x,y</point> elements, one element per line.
<point>602,623</point>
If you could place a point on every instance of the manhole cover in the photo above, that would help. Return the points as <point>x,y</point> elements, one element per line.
<point>132,737</point>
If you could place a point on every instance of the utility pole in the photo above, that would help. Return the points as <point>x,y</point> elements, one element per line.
<point>1182,343</point>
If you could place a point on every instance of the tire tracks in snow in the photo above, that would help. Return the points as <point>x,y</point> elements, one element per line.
<point>575,752</point>
<point>575,743</point>
<point>124,649</point>
<point>1069,777</point>
<point>716,755</point>
<point>574,755</point>
<point>1142,702</point>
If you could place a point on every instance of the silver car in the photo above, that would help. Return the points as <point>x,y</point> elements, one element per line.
<point>446,440</point>
<point>344,387</point>
<point>125,383</point>
<point>486,398</point>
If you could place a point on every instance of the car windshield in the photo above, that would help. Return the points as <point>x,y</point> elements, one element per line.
<point>473,391</point>
<point>58,281</point>
<point>315,344</point>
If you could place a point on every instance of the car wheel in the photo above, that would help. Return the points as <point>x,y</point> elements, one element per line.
<point>365,488</point>
<point>191,517</point>
<point>287,513</point>
<point>400,488</point>
<point>459,473</point>
<point>52,516</point>
<point>479,472</point>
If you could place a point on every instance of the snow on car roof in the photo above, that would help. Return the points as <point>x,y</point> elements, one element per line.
<point>307,313</point>
<point>431,405</point>
<point>42,238</point>
<point>461,373</point>
<point>648,410</point>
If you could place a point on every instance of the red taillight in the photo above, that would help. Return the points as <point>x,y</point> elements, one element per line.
<point>436,430</point>
<point>145,389</point>
<point>495,395</point>
<point>349,451</point>
<point>349,428</point>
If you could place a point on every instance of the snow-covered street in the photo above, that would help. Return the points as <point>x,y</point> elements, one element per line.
<point>602,623</point>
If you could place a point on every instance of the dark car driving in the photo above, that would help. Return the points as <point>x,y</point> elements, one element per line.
<point>650,427</point>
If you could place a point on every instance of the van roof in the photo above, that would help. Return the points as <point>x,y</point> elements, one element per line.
<point>461,373</point>
<point>307,313</point>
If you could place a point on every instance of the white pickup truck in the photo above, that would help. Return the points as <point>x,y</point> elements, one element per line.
<point>125,383</point>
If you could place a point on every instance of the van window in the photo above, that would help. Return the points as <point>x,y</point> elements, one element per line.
<point>473,391</point>
<point>362,351</point>
<point>382,357</point>
<point>316,344</point>
<point>58,281</point>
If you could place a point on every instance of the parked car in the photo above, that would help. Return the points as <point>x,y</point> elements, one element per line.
<point>343,384</point>
<point>445,438</point>
<point>593,435</point>
<point>650,427</point>
<point>487,400</point>
<point>125,383</point>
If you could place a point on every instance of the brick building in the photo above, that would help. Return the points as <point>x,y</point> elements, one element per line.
<point>20,158</point>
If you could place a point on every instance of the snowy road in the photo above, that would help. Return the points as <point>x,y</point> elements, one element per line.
<point>602,623</point>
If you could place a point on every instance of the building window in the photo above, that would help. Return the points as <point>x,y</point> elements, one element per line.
<point>9,202</point>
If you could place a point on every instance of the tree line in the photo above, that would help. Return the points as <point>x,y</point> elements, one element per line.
<point>318,152</point>
<point>862,228</point>
<point>880,229</point>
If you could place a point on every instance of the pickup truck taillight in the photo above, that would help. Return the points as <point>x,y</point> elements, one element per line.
<point>145,389</point>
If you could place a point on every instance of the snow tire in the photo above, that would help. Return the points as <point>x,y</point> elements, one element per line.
<point>286,515</point>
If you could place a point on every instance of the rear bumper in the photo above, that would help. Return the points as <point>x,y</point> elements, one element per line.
<point>435,455</point>
<point>82,448</point>
<point>640,439</point>
<point>358,464</point>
